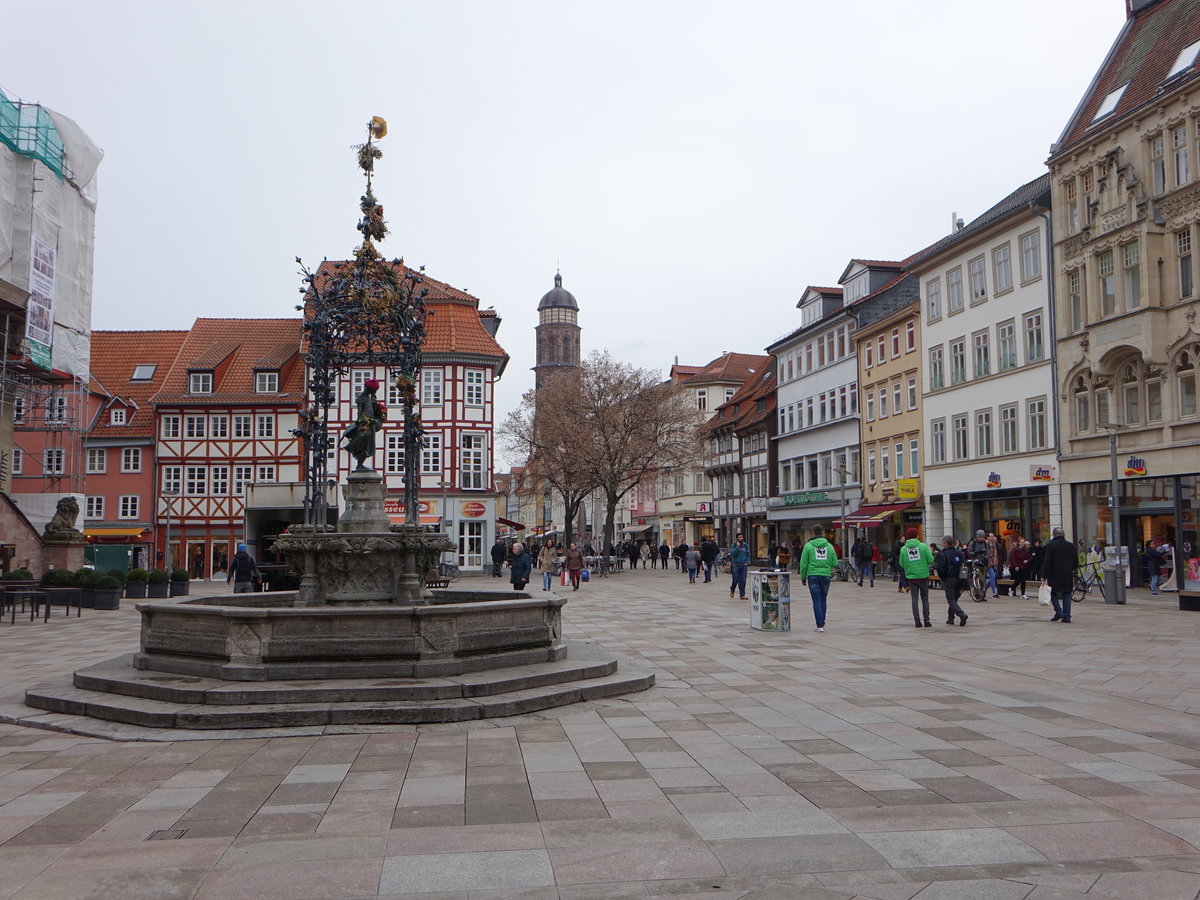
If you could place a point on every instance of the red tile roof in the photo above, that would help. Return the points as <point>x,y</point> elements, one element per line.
<point>234,349</point>
<point>453,324</point>
<point>741,411</point>
<point>737,367</point>
<point>1141,57</point>
<point>115,356</point>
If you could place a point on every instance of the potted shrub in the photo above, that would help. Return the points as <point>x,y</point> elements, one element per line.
<point>107,593</point>
<point>135,583</point>
<point>86,580</point>
<point>179,582</point>
<point>18,575</point>
<point>158,583</point>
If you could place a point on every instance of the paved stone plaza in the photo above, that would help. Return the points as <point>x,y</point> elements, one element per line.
<point>1012,758</point>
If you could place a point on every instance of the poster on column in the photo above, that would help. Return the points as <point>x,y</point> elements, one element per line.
<point>39,314</point>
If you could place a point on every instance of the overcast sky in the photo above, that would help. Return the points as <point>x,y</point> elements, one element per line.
<point>691,165</point>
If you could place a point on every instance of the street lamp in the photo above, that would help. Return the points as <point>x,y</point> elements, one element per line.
<point>169,496</point>
<point>845,473</point>
<point>1114,593</point>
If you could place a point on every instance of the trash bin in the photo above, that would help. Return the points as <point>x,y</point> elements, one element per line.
<point>770,600</point>
<point>1114,582</point>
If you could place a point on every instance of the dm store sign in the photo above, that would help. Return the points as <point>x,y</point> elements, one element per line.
<point>1135,467</point>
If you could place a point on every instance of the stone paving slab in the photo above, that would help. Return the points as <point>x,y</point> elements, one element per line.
<point>1009,759</point>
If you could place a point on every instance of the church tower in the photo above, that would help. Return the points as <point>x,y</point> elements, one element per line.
<point>557,332</point>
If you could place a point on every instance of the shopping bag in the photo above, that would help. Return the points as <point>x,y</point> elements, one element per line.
<point>1044,595</point>
<point>583,575</point>
<point>563,579</point>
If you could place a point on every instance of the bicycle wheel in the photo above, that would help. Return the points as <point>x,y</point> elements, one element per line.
<point>978,583</point>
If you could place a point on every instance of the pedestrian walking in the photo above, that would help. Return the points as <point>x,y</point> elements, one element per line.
<point>818,559</point>
<point>498,554</point>
<point>739,562</point>
<point>948,565</point>
<point>708,556</point>
<point>634,553</point>
<point>664,552</point>
<point>547,564</point>
<point>783,556</point>
<point>1058,570</point>
<point>678,554</point>
<point>1154,561</point>
<point>897,569</point>
<point>916,561</point>
<point>1019,559</point>
<point>521,566</point>
<point>863,553</point>
<point>574,565</point>
<point>644,552</point>
<point>243,571</point>
<point>691,561</point>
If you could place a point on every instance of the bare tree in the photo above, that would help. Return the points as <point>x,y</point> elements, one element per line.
<point>549,430</point>
<point>637,424</point>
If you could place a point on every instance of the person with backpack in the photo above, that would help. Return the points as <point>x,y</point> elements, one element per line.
<point>948,565</point>
<point>916,559</point>
<point>863,553</point>
<point>243,571</point>
<point>818,559</point>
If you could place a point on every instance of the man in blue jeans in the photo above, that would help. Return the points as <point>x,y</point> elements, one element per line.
<point>739,562</point>
<point>818,559</point>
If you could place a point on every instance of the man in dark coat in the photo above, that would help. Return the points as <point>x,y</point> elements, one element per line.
<point>1059,561</point>
<point>498,554</point>
<point>708,554</point>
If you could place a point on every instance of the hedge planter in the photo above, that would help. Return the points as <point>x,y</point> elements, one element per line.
<point>106,599</point>
<point>87,598</point>
<point>179,588</point>
<point>135,590</point>
<point>159,590</point>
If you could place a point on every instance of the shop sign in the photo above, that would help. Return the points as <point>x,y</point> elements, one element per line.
<point>908,488</point>
<point>697,518</point>
<point>704,507</point>
<point>472,510</point>
<point>1041,473</point>
<point>1135,467</point>
<point>993,480</point>
<point>424,507</point>
<point>810,497</point>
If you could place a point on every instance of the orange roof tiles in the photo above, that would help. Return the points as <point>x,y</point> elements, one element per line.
<point>233,349</point>
<point>453,324</point>
<point>115,356</point>
<point>730,367</point>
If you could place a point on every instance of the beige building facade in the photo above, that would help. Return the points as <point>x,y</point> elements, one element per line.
<point>1125,177</point>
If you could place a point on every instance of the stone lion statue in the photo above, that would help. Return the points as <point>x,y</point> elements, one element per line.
<point>64,517</point>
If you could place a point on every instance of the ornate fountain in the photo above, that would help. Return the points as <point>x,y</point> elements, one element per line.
<point>363,640</point>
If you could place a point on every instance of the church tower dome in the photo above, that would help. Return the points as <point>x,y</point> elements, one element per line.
<point>557,332</point>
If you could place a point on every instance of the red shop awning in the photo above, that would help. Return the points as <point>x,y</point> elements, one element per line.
<point>871,516</point>
<point>510,523</point>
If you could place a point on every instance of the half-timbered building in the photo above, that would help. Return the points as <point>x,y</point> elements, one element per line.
<point>225,416</point>
<point>461,360</point>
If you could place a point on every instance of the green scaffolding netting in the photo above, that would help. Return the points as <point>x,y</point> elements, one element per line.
<point>28,129</point>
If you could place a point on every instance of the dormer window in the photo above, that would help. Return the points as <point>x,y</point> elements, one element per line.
<point>1187,56</point>
<point>116,416</point>
<point>1110,102</point>
<point>143,372</point>
<point>858,287</point>
<point>266,382</point>
<point>200,382</point>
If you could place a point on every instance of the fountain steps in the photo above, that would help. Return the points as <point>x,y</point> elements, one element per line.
<point>114,692</point>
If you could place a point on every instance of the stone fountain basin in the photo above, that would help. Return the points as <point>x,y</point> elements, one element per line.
<point>257,637</point>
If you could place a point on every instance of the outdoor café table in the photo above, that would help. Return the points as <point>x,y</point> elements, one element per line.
<point>66,596</point>
<point>30,596</point>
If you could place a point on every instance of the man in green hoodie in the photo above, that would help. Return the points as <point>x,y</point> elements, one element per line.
<point>916,559</point>
<point>818,559</point>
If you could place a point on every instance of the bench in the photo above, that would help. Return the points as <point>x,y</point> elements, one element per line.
<point>433,580</point>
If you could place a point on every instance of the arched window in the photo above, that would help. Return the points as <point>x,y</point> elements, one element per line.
<point>1083,405</point>
<point>1185,379</point>
<point>1131,395</point>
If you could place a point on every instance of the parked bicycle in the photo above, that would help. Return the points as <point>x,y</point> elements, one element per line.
<point>846,571</point>
<point>1087,576</point>
<point>449,571</point>
<point>974,577</point>
<point>601,567</point>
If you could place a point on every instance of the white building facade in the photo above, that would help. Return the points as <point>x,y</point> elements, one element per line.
<point>989,400</point>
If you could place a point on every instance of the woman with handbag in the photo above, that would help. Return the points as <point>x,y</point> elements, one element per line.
<point>547,563</point>
<point>1019,560</point>
<point>574,564</point>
